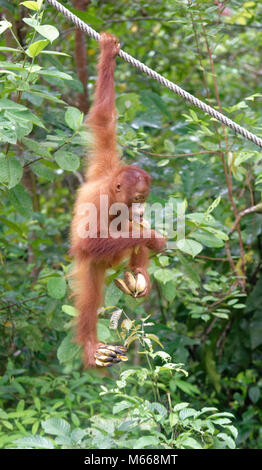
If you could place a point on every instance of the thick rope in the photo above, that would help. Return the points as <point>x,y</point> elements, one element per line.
<point>156,76</point>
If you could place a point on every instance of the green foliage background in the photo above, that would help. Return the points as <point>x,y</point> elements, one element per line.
<point>193,376</point>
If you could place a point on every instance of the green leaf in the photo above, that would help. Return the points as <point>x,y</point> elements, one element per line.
<point>190,443</point>
<point>23,118</point>
<point>163,163</point>
<point>158,410</point>
<point>222,421</point>
<point>152,114</point>
<point>233,430</point>
<point>56,426</point>
<point>127,105</point>
<point>37,403</point>
<point>216,232</point>
<point>190,269</point>
<point>66,160</point>
<point>5,103</point>
<point>69,310</point>
<point>207,409</point>
<point>207,239</point>
<point>11,65</point>
<point>122,405</point>
<point>218,415</point>
<point>56,287</point>
<point>242,157</point>
<point>47,31</point>
<point>21,201</point>
<point>163,260</point>
<point>73,118</point>
<point>227,439</point>
<point>146,441</point>
<point>3,170</point>
<point>164,275</point>
<point>35,427</point>
<point>232,301</point>
<point>36,442</point>
<point>213,205</point>
<point>12,225</point>
<point>201,219</point>
<point>187,413</point>
<point>10,171</point>
<point>54,73</point>
<point>32,337</point>
<point>254,393</point>
<point>168,290</point>
<point>22,414</point>
<point>8,72</point>
<point>103,332</point>
<point>173,419</point>
<point>189,246</point>
<point>9,49</point>
<point>220,315</point>
<point>42,171</point>
<point>35,48</point>
<point>30,5</point>
<point>187,387</point>
<point>55,53</point>
<point>20,405</point>
<point>113,295</point>
<point>3,414</point>
<point>45,95</point>
<point>67,350</point>
<point>36,147</point>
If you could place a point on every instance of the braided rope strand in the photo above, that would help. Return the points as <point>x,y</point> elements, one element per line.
<point>156,76</point>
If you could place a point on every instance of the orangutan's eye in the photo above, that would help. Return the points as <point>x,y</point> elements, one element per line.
<point>139,199</point>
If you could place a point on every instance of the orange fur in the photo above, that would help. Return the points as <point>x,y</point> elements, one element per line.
<point>105,172</point>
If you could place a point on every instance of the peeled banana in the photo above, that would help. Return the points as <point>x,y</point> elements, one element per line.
<point>140,283</point>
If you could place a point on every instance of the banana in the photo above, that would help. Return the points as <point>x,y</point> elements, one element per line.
<point>122,286</point>
<point>116,349</point>
<point>140,284</point>
<point>105,352</point>
<point>104,358</point>
<point>130,281</point>
<point>122,358</point>
<point>103,364</point>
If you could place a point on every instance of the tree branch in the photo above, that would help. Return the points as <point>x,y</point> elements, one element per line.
<point>250,210</point>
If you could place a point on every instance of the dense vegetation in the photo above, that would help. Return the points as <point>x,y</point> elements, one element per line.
<point>192,380</point>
